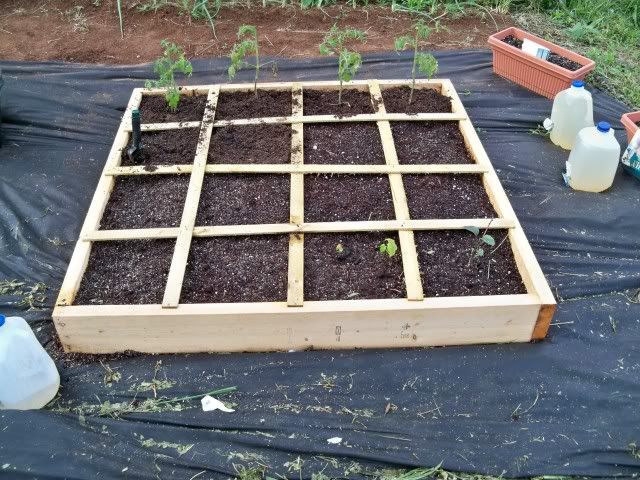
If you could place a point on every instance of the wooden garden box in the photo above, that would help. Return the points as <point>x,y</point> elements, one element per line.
<point>414,321</point>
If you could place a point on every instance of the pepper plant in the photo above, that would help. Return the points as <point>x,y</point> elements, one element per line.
<point>348,62</point>
<point>424,63</point>
<point>247,45</point>
<point>171,61</point>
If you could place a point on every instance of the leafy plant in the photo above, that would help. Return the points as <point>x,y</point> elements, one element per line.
<point>484,239</point>
<point>424,63</point>
<point>172,60</point>
<point>247,45</point>
<point>348,62</point>
<point>388,247</point>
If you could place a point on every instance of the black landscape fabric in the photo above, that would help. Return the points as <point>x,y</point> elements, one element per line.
<point>565,406</point>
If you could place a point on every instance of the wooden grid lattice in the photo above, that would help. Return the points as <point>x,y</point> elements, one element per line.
<point>296,323</point>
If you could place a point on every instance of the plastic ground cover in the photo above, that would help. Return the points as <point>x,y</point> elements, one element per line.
<point>565,406</point>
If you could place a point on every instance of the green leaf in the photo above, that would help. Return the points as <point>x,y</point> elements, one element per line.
<point>480,252</point>
<point>392,247</point>
<point>422,30</point>
<point>247,30</point>
<point>427,64</point>
<point>474,230</point>
<point>325,50</point>
<point>339,248</point>
<point>489,240</point>
<point>403,42</point>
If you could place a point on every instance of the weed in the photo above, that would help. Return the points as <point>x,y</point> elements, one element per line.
<point>634,450</point>
<point>484,239</point>
<point>425,63</point>
<point>151,443</point>
<point>196,9</point>
<point>78,19</point>
<point>348,62</point>
<point>247,45</point>
<point>388,247</point>
<point>172,60</point>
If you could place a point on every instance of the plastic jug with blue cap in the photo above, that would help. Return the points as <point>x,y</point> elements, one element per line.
<point>571,112</point>
<point>594,159</point>
<point>28,377</point>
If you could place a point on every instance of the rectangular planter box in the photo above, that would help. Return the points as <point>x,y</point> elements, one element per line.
<point>533,73</point>
<point>414,321</point>
<point>630,123</point>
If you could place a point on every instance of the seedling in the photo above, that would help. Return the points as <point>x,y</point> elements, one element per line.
<point>388,247</point>
<point>348,62</point>
<point>247,45</point>
<point>484,239</point>
<point>424,63</point>
<point>172,60</point>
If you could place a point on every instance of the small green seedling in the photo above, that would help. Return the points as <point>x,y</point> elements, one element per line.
<point>348,62</point>
<point>247,45</point>
<point>339,248</point>
<point>485,239</point>
<point>171,61</point>
<point>425,63</point>
<point>388,247</point>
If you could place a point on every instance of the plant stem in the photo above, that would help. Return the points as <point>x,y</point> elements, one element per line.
<point>119,4</point>
<point>255,80</point>
<point>340,78</point>
<point>413,69</point>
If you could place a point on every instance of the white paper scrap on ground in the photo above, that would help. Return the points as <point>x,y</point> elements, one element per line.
<point>209,404</point>
<point>334,440</point>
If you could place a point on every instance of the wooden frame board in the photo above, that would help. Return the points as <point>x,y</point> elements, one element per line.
<point>296,323</point>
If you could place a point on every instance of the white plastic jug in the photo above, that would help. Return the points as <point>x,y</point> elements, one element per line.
<point>594,159</point>
<point>572,111</point>
<point>28,377</point>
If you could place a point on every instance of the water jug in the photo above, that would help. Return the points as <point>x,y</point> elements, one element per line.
<point>593,161</point>
<point>28,377</point>
<point>572,111</point>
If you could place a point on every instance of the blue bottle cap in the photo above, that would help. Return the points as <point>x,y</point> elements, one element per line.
<point>578,83</point>
<point>2,319</point>
<point>604,127</point>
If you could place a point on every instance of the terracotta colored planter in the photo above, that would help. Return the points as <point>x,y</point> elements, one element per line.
<point>536,74</point>
<point>630,120</point>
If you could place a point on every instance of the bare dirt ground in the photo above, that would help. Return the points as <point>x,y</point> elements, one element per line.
<point>79,31</point>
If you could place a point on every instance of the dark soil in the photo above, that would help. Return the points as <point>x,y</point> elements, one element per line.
<point>344,198</point>
<point>244,199</point>
<point>447,196</point>
<point>554,58</point>
<point>237,269</point>
<point>359,271</point>
<point>425,100</point>
<point>126,273</point>
<point>167,147</point>
<point>153,109</point>
<point>146,202</point>
<point>268,103</point>
<point>250,144</point>
<point>321,102</point>
<point>344,143</point>
<point>449,267</point>
<point>429,142</point>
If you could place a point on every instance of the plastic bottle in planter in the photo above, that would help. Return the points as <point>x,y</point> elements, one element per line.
<point>28,377</point>
<point>593,161</point>
<point>572,111</point>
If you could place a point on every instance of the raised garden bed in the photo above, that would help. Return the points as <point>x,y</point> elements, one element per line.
<point>545,77</point>
<point>247,248</point>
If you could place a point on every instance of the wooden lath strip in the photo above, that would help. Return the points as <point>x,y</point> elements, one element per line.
<point>295,283</point>
<point>410,265</point>
<point>318,227</point>
<point>80,257</point>
<point>365,117</point>
<point>300,168</point>
<point>154,127</point>
<point>183,242</point>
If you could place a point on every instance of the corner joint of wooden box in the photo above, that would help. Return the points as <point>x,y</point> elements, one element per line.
<point>543,322</point>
